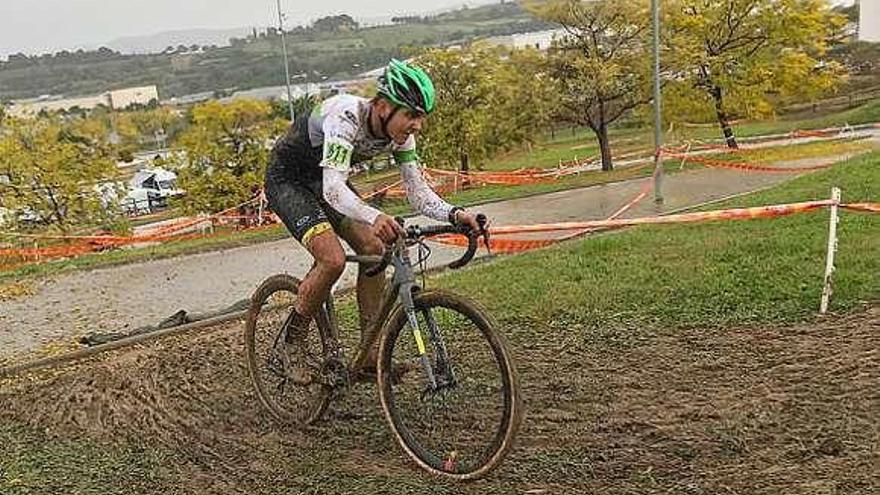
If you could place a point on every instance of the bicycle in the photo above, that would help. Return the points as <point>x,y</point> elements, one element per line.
<point>457,419</point>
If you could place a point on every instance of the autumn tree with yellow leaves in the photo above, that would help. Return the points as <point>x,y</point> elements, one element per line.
<point>225,152</point>
<point>742,58</point>
<point>57,175</point>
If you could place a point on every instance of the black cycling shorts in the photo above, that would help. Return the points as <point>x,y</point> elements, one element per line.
<point>301,207</point>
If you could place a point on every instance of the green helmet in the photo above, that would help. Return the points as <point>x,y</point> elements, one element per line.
<point>408,86</point>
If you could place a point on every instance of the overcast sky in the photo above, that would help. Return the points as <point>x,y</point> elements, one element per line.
<point>39,26</point>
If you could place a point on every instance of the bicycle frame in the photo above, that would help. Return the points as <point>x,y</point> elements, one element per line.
<point>402,286</point>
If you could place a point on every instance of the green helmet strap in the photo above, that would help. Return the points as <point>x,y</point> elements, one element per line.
<point>387,119</point>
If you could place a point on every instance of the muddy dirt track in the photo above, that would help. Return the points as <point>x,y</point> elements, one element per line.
<point>759,410</point>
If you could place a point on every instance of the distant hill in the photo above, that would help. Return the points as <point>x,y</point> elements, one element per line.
<point>335,48</point>
<point>158,42</point>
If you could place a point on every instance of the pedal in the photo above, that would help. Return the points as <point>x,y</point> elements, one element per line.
<point>296,373</point>
<point>334,373</point>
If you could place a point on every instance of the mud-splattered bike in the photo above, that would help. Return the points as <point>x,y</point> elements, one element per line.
<point>446,380</point>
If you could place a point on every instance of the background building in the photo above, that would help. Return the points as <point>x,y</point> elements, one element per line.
<point>540,40</point>
<point>124,98</point>
<point>117,99</point>
<point>869,20</point>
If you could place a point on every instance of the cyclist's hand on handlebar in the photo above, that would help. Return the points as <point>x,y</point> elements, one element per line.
<point>470,219</point>
<point>386,228</point>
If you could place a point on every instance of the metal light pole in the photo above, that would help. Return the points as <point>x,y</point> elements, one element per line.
<point>286,64</point>
<point>658,121</point>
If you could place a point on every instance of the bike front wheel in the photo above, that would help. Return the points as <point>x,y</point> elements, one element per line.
<point>457,409</point>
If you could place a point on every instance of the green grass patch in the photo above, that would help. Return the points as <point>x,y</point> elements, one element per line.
<point>575,143</point>
<point>863,114</point>
<point>712,274</point>
<point>797,151</point>
<point>34,463</point>
<point>568,145</point>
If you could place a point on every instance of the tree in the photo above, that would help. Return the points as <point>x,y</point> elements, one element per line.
<point>19,60</point>
<point>526,94</point>
<point>301,104</point>
<point>52,173</point>
<point>106,53</point>
<point>225,153</point>
<point>601,66</point>
<point>150,123</point>
<point>485,103</point>
<point>455,135</point>
<point>122,125</point>
<point>407,19</point>
<point>335,23</point>
<point>746,56</point>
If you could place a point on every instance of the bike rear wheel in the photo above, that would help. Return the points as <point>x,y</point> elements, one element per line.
<point>297,396</point>
<point>461,430</point>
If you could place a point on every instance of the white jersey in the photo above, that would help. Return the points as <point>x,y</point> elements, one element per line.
<point>340,126</point>
<point>336,135</point>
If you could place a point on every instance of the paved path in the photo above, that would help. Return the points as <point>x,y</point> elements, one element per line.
<point>125,297</point>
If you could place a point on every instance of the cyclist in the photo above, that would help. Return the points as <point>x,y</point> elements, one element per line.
<point>307,187</point>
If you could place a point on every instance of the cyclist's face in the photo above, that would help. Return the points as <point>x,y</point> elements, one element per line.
<point>404,123</point>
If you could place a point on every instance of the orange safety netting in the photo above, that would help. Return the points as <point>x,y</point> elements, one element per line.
<point>819,133</point>
<point>447,181</point>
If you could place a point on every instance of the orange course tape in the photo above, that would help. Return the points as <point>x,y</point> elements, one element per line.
<point>864,207</point>
<point>515,245</point>
<point>821,133</point>
<point>385,189</point>
<point>87,244</point>
<point>730,214</point>
<point>748,166</point>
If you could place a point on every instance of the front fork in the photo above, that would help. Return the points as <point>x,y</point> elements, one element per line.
<point>406,291</point>
<point>406,297</point>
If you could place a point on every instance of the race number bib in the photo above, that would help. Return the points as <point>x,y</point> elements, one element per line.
<point>337,155</point>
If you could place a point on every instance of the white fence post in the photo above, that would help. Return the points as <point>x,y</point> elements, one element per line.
<point>685,157</point>
<point>827,289</point>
